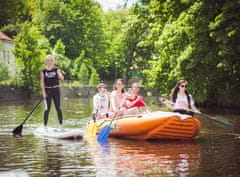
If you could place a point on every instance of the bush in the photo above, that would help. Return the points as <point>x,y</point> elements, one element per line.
<point>94,78</point>
<point>83,75</point>
<point>4,72</point>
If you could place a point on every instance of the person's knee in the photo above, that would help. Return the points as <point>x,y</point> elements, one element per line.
<point>47,111</point>
<point>58,109</point>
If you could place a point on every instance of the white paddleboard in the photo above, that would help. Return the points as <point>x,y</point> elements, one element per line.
<point>58,133</point>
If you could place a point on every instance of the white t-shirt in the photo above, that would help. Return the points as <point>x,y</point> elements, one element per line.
<point>101,103</point>
<point>182,102</point>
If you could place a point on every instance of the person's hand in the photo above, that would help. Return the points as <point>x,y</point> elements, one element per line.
<point>44,95</point>
<point>197,111</point>
<point>162,100</point>
<point>139,98</point>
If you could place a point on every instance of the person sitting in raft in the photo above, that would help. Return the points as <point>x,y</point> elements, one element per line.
<point>101,102</point>
<point>134,102</point>
<point>49,80</point>
<point>181,100</point>
<point>117,98</point>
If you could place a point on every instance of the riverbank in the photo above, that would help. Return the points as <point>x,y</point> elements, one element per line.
<point>13,93</point>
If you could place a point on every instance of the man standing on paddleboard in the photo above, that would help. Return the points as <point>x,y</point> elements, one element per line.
<point>50,77</point>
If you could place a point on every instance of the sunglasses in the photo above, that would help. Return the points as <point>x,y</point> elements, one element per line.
<point>183,86</point>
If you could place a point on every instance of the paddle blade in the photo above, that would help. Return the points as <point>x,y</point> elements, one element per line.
<point>18,130</point>
<point>91,129</point>
<point>104,134</point>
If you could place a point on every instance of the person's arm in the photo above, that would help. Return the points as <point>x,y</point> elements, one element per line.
<point>42,85</point>
<point>95,104</point>
<point>112,101</point>
<point>194,108</point>
<point>60,75</point>
<point>131,103</point>
<point>168,103</point>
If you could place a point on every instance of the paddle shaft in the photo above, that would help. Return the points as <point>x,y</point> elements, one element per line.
<point>35,107</point>
<point>167,102</point>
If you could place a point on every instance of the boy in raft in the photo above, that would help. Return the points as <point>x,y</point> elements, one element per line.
<point>101,102</point>
<point>134,102</point>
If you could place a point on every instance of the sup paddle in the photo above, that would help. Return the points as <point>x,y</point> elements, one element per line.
<point>18,129</point>
<point>217,119</point>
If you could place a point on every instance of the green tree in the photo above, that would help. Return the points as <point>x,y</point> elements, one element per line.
<point>83,75</point>
<point>62,62</point>
<point>79,24</point>
<point>196,41</point>
<point>30,49</point>
<point>94,78</point>
<point>4,72</point>
<point>13,14</point>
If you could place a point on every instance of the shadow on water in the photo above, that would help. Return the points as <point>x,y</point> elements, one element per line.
<point>215,152</point>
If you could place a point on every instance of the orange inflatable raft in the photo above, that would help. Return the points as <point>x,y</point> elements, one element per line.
<point>154,125</point>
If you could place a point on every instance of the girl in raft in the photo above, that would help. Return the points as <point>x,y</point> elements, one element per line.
<point>101,102</point>
<point>118,98</point>
<point>181,100</point>
<point>50,77</point>
<point>134,102</point>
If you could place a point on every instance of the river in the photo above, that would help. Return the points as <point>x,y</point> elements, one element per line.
<point>214,152</point>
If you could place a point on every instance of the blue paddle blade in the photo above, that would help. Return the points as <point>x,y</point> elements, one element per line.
<point>104,134</point>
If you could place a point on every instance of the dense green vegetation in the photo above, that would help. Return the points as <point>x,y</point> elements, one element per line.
<point>164,40</point>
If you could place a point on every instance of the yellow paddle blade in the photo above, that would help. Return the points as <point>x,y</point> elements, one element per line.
<point>91,129</point>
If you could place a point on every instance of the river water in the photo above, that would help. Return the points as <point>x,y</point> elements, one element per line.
<point>215,152</point>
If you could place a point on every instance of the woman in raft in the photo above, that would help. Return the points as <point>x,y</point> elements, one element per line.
<point>117,98</point>
<point>181,101</point>
<point>134,102</point>
<point>49,80</point>
<point>101,102</point>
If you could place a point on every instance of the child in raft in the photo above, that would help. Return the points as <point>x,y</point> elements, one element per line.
<point>101,102</point>
<point>134,102</point>
<point>118,98</point>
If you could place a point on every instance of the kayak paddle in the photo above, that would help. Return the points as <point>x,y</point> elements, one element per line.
<point>217,119</point>
<point>105,132</point>
<point>18,129</point>
<point>92,128</point>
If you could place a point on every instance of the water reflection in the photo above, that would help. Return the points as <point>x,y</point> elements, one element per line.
<point>66,158</point>
<point>52,159</point>
<point>144,158</point>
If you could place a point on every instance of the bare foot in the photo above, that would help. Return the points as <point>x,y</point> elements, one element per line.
<point>61,127</point>
<point>45,128</point>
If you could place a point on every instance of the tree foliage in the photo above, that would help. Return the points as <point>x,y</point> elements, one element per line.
<point>83,75</point>
<point>165,40</point>
<point>62,62</point>
<point>30,50</point>
<point>195,41</point>
<point>4,72</point>
<point>79,25</point>
<point>94,78</point>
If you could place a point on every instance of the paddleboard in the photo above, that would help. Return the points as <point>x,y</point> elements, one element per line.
<point>58,133</point>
